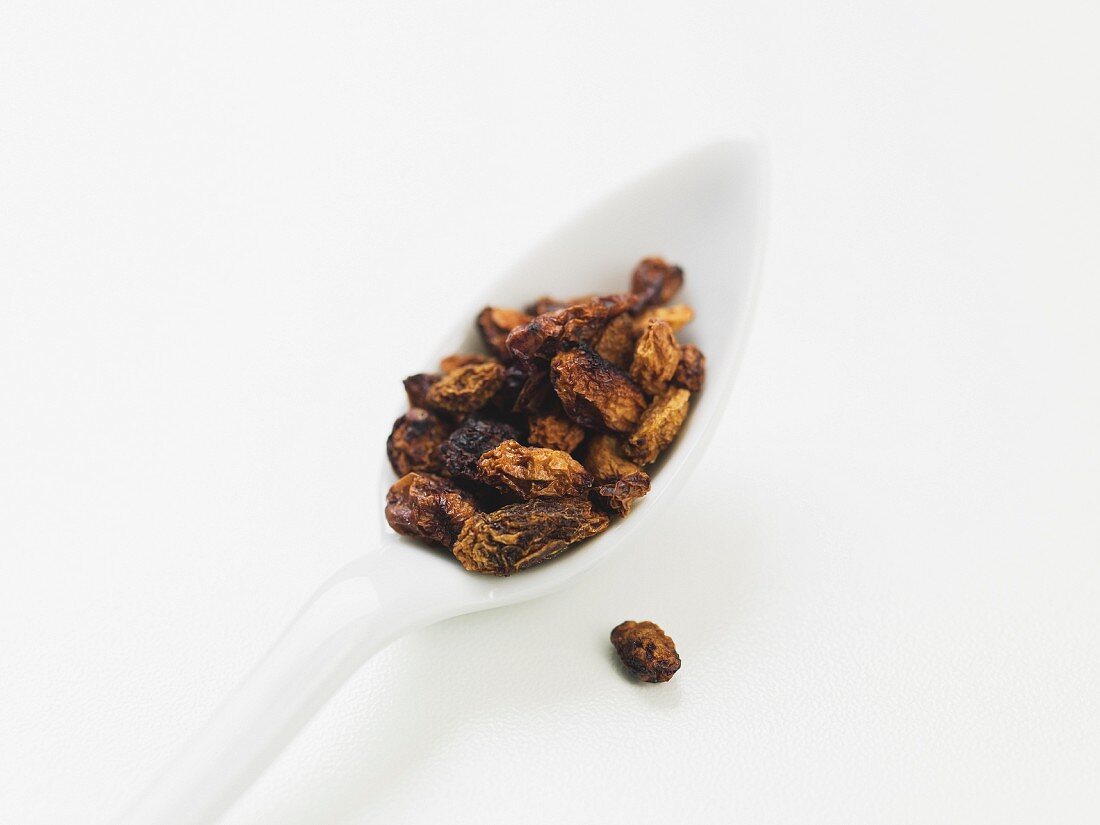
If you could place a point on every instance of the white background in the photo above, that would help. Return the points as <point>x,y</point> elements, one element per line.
<point>227,230</point>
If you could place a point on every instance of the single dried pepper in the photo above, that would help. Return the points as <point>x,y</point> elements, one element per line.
<point>692,369</point>
<point>603,457</point>
<point>594,392</point>
<point>521,535</point>
<point>655,281</point>
<point>417,386</point>
<point>646,650</point>
<point>554,431</point>
<point>659,425</point>
<point>616,342</point>
<point>656,357</point>
<point>414,442</point>
<point>619,481</point>
<point>467,388</point>
<point>495,323</point>
<point>619,494</point>
<point>532,472</point>
<point>428,507</point>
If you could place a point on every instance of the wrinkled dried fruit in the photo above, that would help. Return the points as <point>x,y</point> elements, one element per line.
<point>659,425</point>
<point>692,369</point>
<point>620,494</point>
<point>595,393</point>
<point>619,481</point>
<point>646,650</point>
<point>465,445</point>
<point>414,442</point>
<point>554,431</point>
<point>603,458</point>
<point>655,281</point>
<point>616,342</point>
<point>428,507</point>
<point>544,335</point>
<point>678,317</point>
<point>655,358</point>
<point>462,359</point>
<point>495,323</point>
<point>466,388</point>
<point>525,534</point>
<point>532,472</point>
<point>417,386</point>
<point>600,376</point>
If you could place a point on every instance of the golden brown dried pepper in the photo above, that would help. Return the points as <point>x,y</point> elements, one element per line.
<point>525,534</point>
<point>467,388</point>
<point>646,650</point>
<point>656,358</point>
<point>555,431</point>
<point>619,494</point>
<point>428,507</point>
<point>678,317</point>
<point>616,342</point>
<point>619,481</point>
<point>659,425</point>
<point>532,472</point>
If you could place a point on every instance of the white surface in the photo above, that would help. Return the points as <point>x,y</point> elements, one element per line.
<point>221,225</point>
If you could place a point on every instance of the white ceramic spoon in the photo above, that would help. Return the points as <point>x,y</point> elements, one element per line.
<point>705,211</point>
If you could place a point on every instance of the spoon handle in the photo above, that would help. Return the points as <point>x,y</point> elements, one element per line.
<point>360,610</point>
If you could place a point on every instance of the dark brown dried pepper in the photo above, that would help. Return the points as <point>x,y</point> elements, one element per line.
<point>428,507</point>
<point>692,369</point>
<point>655,281</point>
<point>646,650</point>
<point>465,445</point>
<point>417,386</point>
<point>525,534</point>
<point>414,442</point>
<point>656,358</point>
<point>595,393</point>
<point>467,388</point>
<point>532,472</point>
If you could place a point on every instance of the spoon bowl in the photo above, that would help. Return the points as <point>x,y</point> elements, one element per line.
<point>704,211</point>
